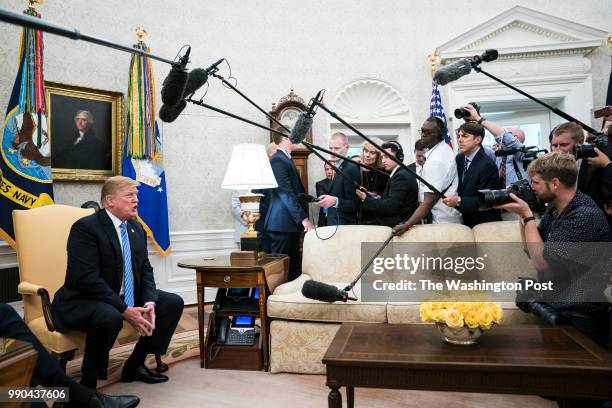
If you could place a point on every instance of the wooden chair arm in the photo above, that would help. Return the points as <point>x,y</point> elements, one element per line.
<point>27,288</point>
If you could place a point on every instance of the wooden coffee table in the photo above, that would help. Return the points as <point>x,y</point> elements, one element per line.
<point>528,359</point>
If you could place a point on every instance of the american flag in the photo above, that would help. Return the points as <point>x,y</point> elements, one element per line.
<point>436,109</point>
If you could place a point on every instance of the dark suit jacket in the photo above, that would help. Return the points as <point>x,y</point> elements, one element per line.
<point>285,214</point>
<point>95,264</point>
<point>481,174</point>
<point>322,187</point>
<point>348,203</point>
<point>398,201</point>
<point>412,166</point>
<point>90,153</point>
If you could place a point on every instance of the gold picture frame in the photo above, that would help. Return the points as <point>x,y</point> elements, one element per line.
<point>86,127</point>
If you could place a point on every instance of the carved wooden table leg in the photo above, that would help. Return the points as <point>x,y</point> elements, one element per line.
<point>334,399</point>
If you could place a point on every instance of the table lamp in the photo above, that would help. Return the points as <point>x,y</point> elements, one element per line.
<point>249,168</point>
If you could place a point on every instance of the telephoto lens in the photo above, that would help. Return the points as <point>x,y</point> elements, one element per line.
<point>583,151</point>
<point>461,113</point>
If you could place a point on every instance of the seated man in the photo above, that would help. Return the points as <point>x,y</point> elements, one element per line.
<point>400,198</point>
<point>48,372</point>
<point>109,279</point>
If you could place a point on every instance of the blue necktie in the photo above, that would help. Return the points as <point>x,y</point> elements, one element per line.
<point>128,282</point>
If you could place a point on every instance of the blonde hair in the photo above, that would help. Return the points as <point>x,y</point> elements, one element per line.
<point>114,184</point>
<point>555,165</point>
<point>379,142</point>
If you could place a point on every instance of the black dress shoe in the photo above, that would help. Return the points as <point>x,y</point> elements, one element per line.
<point>113,401</point>
<point>143,374</point>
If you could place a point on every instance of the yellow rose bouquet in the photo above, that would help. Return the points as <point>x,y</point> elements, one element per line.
<point>461,318</point>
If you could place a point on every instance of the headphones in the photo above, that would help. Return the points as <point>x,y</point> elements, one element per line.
<point>399,153</point>
<point>441,125</point>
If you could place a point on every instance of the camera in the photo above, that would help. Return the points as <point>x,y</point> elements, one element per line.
<point>461,113</point>
<point>583,151</point>
<point>488,199</point>
<point>527,301</point>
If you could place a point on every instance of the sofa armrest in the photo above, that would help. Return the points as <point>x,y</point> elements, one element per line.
<point>293,286</point>
<point>27,288</point>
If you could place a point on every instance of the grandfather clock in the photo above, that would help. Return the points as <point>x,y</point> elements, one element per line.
<point>286,111</point>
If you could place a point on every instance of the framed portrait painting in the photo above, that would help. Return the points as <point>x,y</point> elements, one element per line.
<point>85,132</point>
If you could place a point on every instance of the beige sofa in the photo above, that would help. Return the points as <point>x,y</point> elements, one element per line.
<point>301,329</point>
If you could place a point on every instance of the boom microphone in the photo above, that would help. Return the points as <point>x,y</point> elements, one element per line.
<point>304,121</point>
<point>174,84</point>
<point>324,292</point>
<point>452,72</point>
<point>169,113</point>
<point>195,80</point>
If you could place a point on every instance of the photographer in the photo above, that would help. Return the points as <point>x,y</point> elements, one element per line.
<point>510,167</point>
<point>571,217</point>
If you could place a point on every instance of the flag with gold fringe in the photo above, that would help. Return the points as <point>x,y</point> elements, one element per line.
<point>143,154</point>
<point>25,166</point>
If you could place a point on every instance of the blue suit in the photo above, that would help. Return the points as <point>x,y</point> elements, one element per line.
<point>283,224</point>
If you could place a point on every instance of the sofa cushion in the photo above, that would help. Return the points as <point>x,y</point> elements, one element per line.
<point>294,306</point>
<point>338,259</point>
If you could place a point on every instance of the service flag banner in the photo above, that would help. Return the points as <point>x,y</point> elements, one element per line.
<point>143,154</point>
<point>25,166</point>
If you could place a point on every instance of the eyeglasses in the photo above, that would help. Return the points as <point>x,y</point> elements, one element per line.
<point>426,131</point>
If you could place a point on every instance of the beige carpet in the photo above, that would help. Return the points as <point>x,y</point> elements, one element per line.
<point>192,386</point>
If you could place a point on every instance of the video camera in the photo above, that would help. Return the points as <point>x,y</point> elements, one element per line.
<point>582,151</point>
<point>488,199</point>
<point>528,301</point>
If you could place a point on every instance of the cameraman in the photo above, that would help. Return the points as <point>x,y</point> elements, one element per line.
<point>510,168</point>
<point>593,172</point>
<point>570,217</point>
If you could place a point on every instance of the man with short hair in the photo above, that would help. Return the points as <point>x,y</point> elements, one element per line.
<point>400,197</point>
<point>419,153</point>
<point>322,187</point>
<point>553,246</point>
<point>476,172</point>
<point>341,201</point>
<point>286,218</point>
<point>109,279</point>
<point>439,170</point>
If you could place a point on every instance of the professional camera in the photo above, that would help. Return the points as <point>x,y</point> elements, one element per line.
<point>583,151</point>
<point>461,113</point>
<point>488,199</point>
<point>528,301</point>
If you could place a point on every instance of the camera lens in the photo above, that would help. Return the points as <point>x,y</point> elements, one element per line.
<point>584,150</point>
<point>488,199</point>
<point>461,113</point>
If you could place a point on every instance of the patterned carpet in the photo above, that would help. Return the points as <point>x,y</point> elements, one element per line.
<point>184,344</point>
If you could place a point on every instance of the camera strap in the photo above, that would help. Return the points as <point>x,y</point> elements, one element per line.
<point>516,169</point>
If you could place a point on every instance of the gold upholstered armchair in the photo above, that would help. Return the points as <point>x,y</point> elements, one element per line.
<point>41,235</point>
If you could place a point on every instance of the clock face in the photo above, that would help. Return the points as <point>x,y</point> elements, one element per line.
<point>289,116</point>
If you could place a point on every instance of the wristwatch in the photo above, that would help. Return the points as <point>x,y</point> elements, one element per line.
<point>458,201</point>
<point>482,119</point>
<point>527,219</point>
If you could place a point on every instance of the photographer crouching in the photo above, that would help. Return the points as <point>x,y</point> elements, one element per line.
<point>553,246</point>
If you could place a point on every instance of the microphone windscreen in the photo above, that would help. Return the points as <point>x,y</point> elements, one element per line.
<point>452,72</point>
<point>490,55</point>
<point>300,129</point>
<point>169,113</point>
<point>320,291</point>
<point>195,80</point>
<point>173,86</point>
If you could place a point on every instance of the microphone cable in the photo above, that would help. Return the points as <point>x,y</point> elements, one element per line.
<point>315,225</point>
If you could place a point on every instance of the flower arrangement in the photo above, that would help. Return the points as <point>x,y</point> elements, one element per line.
<point>461,318</point>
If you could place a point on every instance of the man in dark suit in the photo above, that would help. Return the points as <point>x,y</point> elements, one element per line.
<point>109,279</point>
<point>322,187</point>
<point>476,171</point>
<point>401,195</point>
<point>285,218</point>
<point>83,150</point>
<point>419,153</point>
<point>47,371</point>
<point>341,200</point>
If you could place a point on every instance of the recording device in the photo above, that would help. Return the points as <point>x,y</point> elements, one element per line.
<point>509,151</point>
<point>458,69</point>
<point>174,84</point>
<point>461,113</point>
<point>236,300</point>
<point>324,292</point>
<point>488,199</point>
<point>308,198</point>
<point>585,150</point>
<point>527,301</point>
<point>304,121</point>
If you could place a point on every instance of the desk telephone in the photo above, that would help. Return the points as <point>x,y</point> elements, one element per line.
<point>240,332</point>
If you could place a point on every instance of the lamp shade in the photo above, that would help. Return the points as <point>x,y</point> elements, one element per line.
<point>249,168</point>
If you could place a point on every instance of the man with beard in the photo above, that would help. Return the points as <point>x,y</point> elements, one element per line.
<point>554,245</point>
